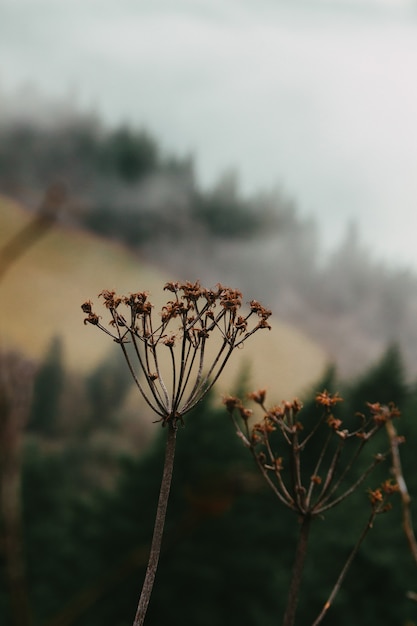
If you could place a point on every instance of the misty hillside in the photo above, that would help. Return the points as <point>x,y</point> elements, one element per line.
<point>123,186</point>
<point>67,267</point>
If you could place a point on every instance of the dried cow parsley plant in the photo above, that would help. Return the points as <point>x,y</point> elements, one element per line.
<point>311,484</point>
<point>181,331</point>
<point>182,328</point>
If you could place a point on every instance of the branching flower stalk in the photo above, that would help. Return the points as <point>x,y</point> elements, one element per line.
<point>310,486</point>
<point>395,441</point>
<point>171,365</point>
<point>379,499</point>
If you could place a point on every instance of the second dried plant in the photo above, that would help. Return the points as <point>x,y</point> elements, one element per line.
<point>312,466</point>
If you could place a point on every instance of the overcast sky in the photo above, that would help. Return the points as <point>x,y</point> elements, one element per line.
<point>318,98</point>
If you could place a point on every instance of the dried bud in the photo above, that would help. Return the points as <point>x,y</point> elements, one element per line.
<point>231,403</point>
<point>172,286</point>
<point>389,487</point>
<point>263,324</point>
<point>333,422</point>
<point>316,479</point>
<point>245,414</point>
<point>278,464</point>
<point>111,301</point>
<point>92,319</point>
<point>169,341</point>
<point>382,413</point>
<point>258,396</point>
<point>328,399</point>
<point>256,307</point>
<point>375,496</point>
<point>87,306</point>
<point>241,324</point>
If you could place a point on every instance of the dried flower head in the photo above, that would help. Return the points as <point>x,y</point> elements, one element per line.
<point>193,316</point>
<point>382,413</point>
<point>379,498</point>
<point>283,429</point>
<point>258,396</point>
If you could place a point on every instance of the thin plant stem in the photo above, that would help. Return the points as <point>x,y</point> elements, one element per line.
<point>317,468</point>
<point>352,488</point>
<point>405,496</point>
<point>345,472</point>
<point>344,570</point>
<point>159,526</point>
<point>297,571</point>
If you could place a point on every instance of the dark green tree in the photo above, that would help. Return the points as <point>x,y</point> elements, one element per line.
<point>48,385</point>
<point>107,387</point>
<point>384,382</point>
<point>60,522</point>
<point>223,212</point>
<point>129,155</point>
<point>228,548</point>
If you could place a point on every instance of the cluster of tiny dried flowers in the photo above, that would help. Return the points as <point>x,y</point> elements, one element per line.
<point>185,323</point>
<point>332,479</point>
<point>379,497</point>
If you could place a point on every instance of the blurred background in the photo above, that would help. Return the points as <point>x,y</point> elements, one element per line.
<point>270,146</point>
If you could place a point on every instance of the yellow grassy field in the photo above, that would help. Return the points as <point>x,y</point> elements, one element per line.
<point>42,291</point>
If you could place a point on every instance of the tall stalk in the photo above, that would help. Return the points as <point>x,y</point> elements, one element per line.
<point>158,531</point>
<point>297,572</point>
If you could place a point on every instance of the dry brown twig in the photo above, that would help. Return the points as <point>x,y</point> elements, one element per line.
<point>395,441</point>
<point>45,217</point>
<point>185,324</point>
<point>16,378</point>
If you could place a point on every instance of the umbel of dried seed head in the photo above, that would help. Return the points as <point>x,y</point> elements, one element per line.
<point>183,327</point>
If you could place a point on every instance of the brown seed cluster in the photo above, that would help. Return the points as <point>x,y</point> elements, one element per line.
<point>193,316</point>
<point>279,439</point>
<point>379,497</point>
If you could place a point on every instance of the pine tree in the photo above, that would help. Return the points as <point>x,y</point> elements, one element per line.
<point>384,382</point>
<point>47,390</point>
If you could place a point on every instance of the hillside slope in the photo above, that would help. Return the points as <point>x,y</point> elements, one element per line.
<point>42,291</point>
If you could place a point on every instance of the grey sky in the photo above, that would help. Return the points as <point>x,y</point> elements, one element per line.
<point>319,98</point>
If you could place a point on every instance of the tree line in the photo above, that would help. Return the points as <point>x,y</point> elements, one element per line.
<point>228,550</point>
<point>123,185</point>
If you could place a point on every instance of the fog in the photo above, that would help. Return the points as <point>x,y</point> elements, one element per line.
<point>310,107</point>
<point>267,145</point>
<point>316,98</point>
<point>123,186</point>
